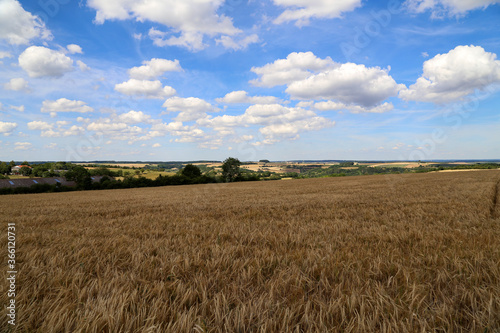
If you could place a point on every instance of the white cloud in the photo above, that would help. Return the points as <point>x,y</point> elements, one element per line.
<point>192,19</point>
<point>106,126</point>
<point>189,109</point>
<point>354,87</point>
<point>440,8</point>
<point>278,132</point>
<point>134,117</point>
<point>241,96</point>
<point>119,131</point>
<point>39,125</point>
<point>241,44</point>
<point>4,54</point>
<point>73,48</point>
<point>7,128</point>
<point>17,84</point>
<point>177,128</point>
<point>39,61</point>
<point>335,106</point>
<point>349,83</point>
<point>301,11</point>
<point>454,75</point>
<point>22,145</point>
<point>145,88</point>
<point>52,145</point>
<point>156,145</point>
<point>83,66</point>
<point>296,66</point>
<point>55,130</point>
<point>19,108</point>
<point>278,122</point>
<point>65,105</point>
<point>18,26</point>
<point>154,68</point>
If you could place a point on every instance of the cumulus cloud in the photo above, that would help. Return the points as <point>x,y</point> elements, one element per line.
<point>55,130</point>
<point>440,8</point>
<point>7,128</point>
<point>18,26</point>
<point>65,105</point>
<point>154,68</point>
<point>39,125</point>
<point>19,108</point>
<point>145,88</point>
<point>454,75</point>
<point>17,84</point>
<point>234,44</point>
<point>192,19</point>
<point>4,54</point>
<point>241,96</point>
<point>296,66</point>
<point>278,122</point>
<point>134,117</point>
<point>114,130</point>
<point>176,128</point>
<point>189,109</point>
<point>22,145</point>
<point>335,106</point>
<point>156,145</point>
<point>39,61</point>
<point>301,11</point>
<point>73,48</point>
<point>348,83</point>
<point>83,66</point>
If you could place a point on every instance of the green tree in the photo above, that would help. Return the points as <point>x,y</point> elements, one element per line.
<point>25,163</point>
<point>80,176</point>
<point>231,169</point>
<point>25,171</point>
<point>191,171</point>
<point>4,168</point>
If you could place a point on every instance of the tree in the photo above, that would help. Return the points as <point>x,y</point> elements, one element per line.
<point>231,169</point>
<point>4,168</point>
<point>191,171</point>
<point>25,171</point>
<point>80,176</point>
<point>25,163</point>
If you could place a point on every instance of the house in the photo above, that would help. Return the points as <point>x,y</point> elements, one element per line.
<point>16,169</point>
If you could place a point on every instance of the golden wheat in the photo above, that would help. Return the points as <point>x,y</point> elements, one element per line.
<point>399,253</point>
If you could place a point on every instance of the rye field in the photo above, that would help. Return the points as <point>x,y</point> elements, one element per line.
<point>388,253</point>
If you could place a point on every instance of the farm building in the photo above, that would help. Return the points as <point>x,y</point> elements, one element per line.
<point>27,182</point>
<point>16,169</point>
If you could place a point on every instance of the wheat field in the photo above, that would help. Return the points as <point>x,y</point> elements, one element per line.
<point>395,253</point>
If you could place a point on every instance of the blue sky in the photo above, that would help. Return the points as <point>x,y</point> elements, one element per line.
<point>166,80</point>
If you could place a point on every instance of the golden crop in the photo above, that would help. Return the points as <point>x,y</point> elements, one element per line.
<point>398,253</point>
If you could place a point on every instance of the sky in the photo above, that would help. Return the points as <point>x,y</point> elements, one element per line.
<point>165,80</point>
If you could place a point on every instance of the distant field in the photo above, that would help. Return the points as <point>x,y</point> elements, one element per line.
<point>388,253</point>
<point>130,165</point>
<point>18,177</point>
<point>408,165</point>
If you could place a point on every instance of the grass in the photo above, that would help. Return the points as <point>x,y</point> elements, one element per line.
<point>392,253</point>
